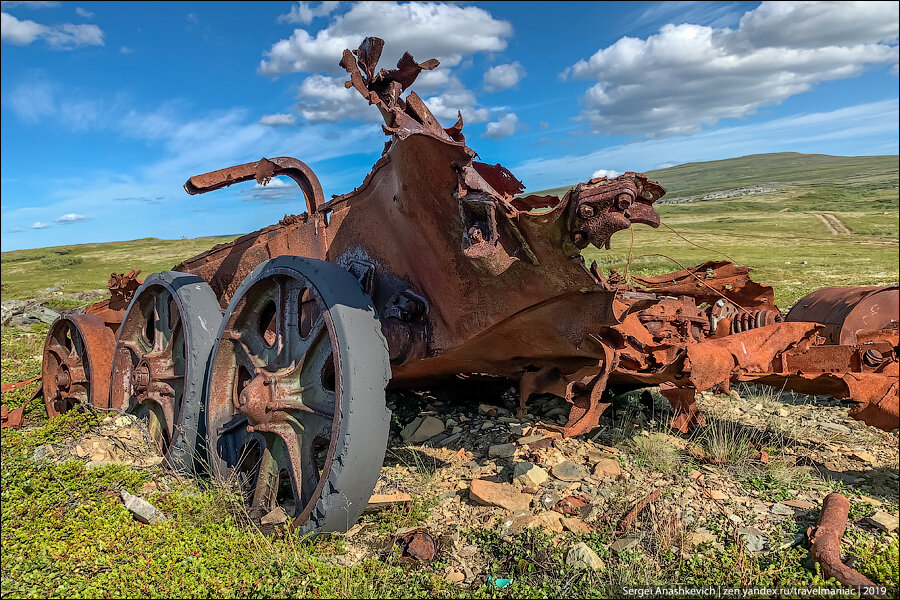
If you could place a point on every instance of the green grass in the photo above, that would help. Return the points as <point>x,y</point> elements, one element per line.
<point>64,534</point>
<point>87,266</point>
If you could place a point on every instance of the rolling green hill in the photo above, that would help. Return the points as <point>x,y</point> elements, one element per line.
<point>776,170</point>
<point>802,221</point>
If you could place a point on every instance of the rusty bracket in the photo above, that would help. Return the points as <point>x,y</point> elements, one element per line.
<point>262,171</point>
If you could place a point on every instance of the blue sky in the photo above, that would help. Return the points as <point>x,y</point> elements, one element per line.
<point>107,108</point>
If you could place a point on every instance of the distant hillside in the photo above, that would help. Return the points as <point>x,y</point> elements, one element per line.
<point>695,181</point>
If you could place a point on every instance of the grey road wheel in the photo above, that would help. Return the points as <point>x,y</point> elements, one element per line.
<point>296,409</point>
<point>159,365</point>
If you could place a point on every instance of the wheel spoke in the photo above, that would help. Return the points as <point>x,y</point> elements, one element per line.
<point>161,301</point>
<point>245,355</point>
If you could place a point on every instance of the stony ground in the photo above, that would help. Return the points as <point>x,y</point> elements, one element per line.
<point>750,482</point>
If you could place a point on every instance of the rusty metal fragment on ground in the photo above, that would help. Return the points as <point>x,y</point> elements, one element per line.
<point>626,523</point>
<point>8,387</point>
<point>11,419</point>
<point>825,545</point>
<point>418,544</point>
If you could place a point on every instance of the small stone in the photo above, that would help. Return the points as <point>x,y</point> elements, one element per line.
<point>42,452</point>
<point>455,577</point>
<point>548,499</point>
<point>275,517</point>
<point>835,427</point>
<point>576,525</point>
<point>427,429</point>
<point>799,504</point>
<point>884,521</point>
<point>754,541</point>
<point>379,502</point>
<point>697,538</point>
<point>608,467</point>
<point>781,509</point>
<point>451,439</point>
<point>625,543</point>
<point>528,439</point>
<point>582,557</point>
<point>529,474</point>
<point>488,410</point>
<point>488,493</point>
<point>123,421</point>
<point>862,455</point>
<point>410,428</point>
<point>142,510</point>
<point>502,451</point>
<point>149,487</point>
<point>567,471</point>
<point>550,521</point>
<point>717,495</point>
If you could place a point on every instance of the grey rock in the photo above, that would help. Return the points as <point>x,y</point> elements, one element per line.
<point>21,314</point>
<point>567,471</point>
<point>275,517</point>
<point>142,510</point>
<point>884,521</point>
<point>425,429</point>
<point>754,541</point>
<point>582,557</point>
<point>529,474</point>
<point>625,543</point>
<point>781,509</point>
<point>502,451</point>
<point>834,427</point>
<point>42,452</point>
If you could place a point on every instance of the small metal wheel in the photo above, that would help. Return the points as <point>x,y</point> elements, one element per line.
<point>160,361</point>
<point>77,357</point>
<point>296,409</point>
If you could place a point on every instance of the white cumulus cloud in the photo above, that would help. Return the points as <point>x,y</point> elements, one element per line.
<point>505,126</point>
<point>324,99</point>
<point>305,12</point>
<point>69,218</point>
<point>689,76</point>
<point>503,77</point>
<point>39,225</point>
<point>604,173</point>
<point>59,37</point>
<point>83,12</point>
<point>426,29</point>
<point>277,120</point>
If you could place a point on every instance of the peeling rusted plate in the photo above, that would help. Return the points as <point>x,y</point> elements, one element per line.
<point>11,419</point>
<point>8,387</point>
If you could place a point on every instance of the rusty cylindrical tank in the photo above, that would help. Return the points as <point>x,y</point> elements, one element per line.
<point>847,311</point>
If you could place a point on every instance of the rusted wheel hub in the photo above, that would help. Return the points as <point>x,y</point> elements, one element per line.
<point>160,359</point>
<point>77,357</point>
<point>299,365</point>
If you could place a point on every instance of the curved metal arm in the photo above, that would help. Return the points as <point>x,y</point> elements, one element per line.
<point>262,171</point>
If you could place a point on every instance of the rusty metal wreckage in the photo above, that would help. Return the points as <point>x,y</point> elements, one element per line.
<point>265,360</point>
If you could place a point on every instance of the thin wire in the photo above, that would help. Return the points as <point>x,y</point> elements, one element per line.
<point>695,244</point>
<point>694,275</point>
<point>630,250</point>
